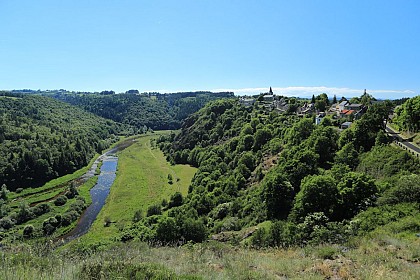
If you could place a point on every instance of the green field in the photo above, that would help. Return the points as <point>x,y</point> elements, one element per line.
<point>142,180</point>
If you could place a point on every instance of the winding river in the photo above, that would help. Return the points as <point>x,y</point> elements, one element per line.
<point>99,192</point>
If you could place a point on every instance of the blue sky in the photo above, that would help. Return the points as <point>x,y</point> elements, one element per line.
<point>297,47</point>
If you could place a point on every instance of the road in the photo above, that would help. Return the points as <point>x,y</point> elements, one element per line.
<point>403,143</point>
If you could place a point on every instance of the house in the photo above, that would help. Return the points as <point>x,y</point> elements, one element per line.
<point>306,109</point>
<point>281,105</point>
<point>247,102</point>
<point>268,98</point>
<point>319,118</point>
<point>342,105</point>
<point>347,113</point>
<point>355,107</point>
<point>346,125</point>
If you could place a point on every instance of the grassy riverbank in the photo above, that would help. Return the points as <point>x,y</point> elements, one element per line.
<point>142,180</point>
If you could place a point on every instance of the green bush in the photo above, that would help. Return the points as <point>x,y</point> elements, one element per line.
<point>41,208</point>
<point>155,209</point>
<point>176,200</point>
<point>60,201</point>
<point>28,231</point>
<point>167,230</point>
<point>125,270</point>
<point>6,223</point>
<point>407,189</point>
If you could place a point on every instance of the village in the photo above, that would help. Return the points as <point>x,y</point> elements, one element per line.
<point>343,111</point>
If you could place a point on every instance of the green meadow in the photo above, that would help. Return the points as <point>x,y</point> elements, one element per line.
<point>142,180</point>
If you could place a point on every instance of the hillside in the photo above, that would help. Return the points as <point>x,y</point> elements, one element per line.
<point>297,182</point>
<point>148,110</point>
<point>42,138</point>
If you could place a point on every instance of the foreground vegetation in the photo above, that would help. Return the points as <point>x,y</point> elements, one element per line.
<point>381,256</point>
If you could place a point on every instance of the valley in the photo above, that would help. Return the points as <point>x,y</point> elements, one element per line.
<point>238,192</point>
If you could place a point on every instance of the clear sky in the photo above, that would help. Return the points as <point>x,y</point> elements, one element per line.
<point>297,47</point>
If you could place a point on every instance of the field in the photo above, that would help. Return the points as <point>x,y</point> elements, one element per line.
<point>142,180</point>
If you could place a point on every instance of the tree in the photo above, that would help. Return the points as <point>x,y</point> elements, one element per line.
<point>313,99</point>
<point>334,101</point>
<point>357,192</point>
<point>60,201</point>
<point>347,155</point>
<point>408,115</point>
<point>154,210</point>
<point>176,200</point>
<point>28,231</point>
<point>277,193</point>
<point>318,193</point>
<point>4,192</point>
<point>262,136</point>
<point>300,131</point>
<point>407,189</point>
<point>167,230</point>
<point>194,230</point>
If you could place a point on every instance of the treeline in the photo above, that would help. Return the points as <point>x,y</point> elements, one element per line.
<point>307,183</point>
<point>145,111</point>
<point>407,116</point>
<point>42,138</point>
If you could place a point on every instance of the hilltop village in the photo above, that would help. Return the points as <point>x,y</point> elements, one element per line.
<point>342,111</point>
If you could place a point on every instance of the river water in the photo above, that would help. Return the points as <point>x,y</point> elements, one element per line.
<point>99,192</point>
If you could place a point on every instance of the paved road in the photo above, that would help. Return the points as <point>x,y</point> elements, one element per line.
<point>408,145</point>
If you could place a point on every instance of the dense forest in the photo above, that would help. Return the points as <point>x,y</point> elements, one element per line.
<point>300,182</point>
<point>42,138</point>
<point>145,111</point>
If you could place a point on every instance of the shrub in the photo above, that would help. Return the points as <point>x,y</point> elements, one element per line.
<point>6,223</point>
<point>28,231</point>
<point>60,201</point>
<point>107,221</point>
<point>167,230</point>
<point>194,230</point>
<point>154,210</point>
<point>4,192</point>
<point>72,191</point>
<point>49,225</point>
<point>69,217</point>
<point>125,270</point>
<point>24,213</point>
<point>407,189</point>
<point>138,215</point>
<point>176,200</point>
<point>78,206</point>
<point>41,208</point>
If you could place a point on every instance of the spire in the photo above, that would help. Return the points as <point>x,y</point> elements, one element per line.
<point>271,91</point>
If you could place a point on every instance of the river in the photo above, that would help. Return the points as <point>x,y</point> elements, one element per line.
<point>99,192</point>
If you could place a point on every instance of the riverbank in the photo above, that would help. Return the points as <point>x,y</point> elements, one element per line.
<point>142,180</point>
<point>31,208</point>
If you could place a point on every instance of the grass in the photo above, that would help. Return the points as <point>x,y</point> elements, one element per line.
<point>382,257</point>
<point>142,180</point>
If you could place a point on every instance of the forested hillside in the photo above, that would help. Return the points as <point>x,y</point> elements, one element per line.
<point>42,138</point>
<point>149,110</point>
<point>296,181</point>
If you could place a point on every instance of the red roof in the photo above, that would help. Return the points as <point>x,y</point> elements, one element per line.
<point>347,112</point>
